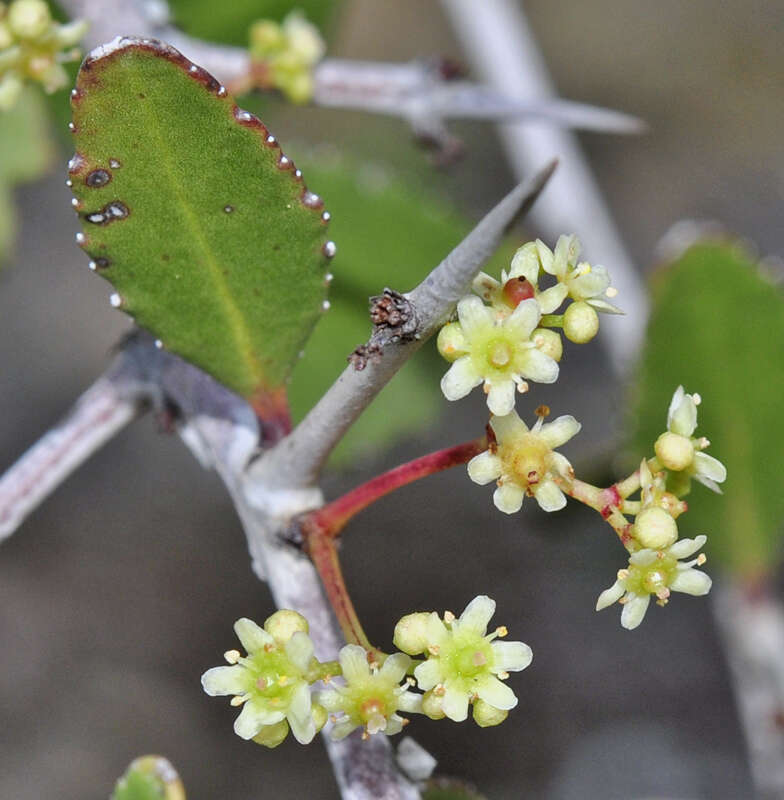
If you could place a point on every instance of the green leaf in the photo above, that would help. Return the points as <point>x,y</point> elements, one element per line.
<point>717,328</point>
<point>149,778</point>
<point>391,232</point>
<point>26,152</point>
<point>231,25</point>
<point>190,209</point>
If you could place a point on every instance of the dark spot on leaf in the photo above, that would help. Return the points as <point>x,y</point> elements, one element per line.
<point>276,247</point>
<point>165,256</point>
<point>109,213</point>
<point>141,96</point>
<point>256,292</point>
<point>97,178</point>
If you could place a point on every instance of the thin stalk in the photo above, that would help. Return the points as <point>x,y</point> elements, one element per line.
<point>332,518</point>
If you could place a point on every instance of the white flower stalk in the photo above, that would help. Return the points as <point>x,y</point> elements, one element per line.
<point>680,452</point>
<point>371,696</point>
<point>523,462</point>
<point>656,572</point>
<point>500,353</point>
<point>466,665</point>
<point>271,683</point>
<point>583,282</point>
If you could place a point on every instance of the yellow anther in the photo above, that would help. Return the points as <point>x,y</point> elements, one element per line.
<point>623,574</point>
<point>611,291</point>
<point>449,617</point>
<point>501,630</point>
<point>232,656</point>
<point>503,675</point>
<point>433,649</point>
<point>238,700</point>
<point>701,559</point>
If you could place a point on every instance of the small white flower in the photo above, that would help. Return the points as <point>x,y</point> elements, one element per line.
<point>465,665</point>
<point>679,451</point>
<point>656,572</point>
<point>269,683</point>
<point>499,353</point>
<point>523,461</point>
<point>371,696</point>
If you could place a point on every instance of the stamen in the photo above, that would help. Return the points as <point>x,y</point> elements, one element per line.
<point>611,291</point>
<point>232,656</point>
<point>701,559</point>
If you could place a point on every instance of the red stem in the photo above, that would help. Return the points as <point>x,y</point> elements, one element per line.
<point>332,518</point>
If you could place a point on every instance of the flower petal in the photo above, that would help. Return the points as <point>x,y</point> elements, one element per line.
<point>299,649</point>
<point>496,693</point>
<point>634,611</point>
<point>551,298</point>
<point>455,704</point>
<point>394,725</point>
<point>610,596</point>
<point>511,656</point>
<point>428,674</point>
<point>435,630</point>
<point>484,468</point>
<point>559,465</point>
<point>501,397</point>
<point>331,699</point>
<point>477,615</point>
<point>710,467</point>
<point>549,496</point>
<point>545,256</point>
<point>252,636</point>
<point>523,320</point>
<point>536,366</point>
<point>342,729</point>
<point>460,378</point>
<point>525,263</point>
<point>220,681</point>
<point>603,307</point>
<point>683,417</point>
<point>677,398</point>
<point>560,430</point>
<point>300,716</point>
<point>710,484</point>
<point>410,702</point>
<point>589,284</point>
<point>691,581</point>
<point>508,498</point>
<point>395,667</point>
<point>473,315</point>
<point>485,285</point>
<point>508,426</point>
<point>683,548</point>
<point>353,662</point>
<point>253,717</point>
<point>644,557</point>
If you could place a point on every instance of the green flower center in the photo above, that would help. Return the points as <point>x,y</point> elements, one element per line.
<point>525,459</point>
<point>273,677</point>
<point>466,657</point>
<point>648,579</point>
<point>370,700</point>
<point>499,354</point>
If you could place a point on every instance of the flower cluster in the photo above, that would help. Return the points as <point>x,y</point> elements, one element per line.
<point>284,55</point>
<point>462,665</point>
<point>504,336</point>
<point>655,567</point>
<point>34,47</point>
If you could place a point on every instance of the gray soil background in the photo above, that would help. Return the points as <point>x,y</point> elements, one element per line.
<point>122,588</point>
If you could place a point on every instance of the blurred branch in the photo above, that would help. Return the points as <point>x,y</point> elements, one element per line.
<point>297,460</point>
<point>503,51</point>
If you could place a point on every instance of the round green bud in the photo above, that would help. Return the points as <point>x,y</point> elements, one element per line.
<point>675,452</point>
<point>283,624</point>
<point>433,705</point>
<point>320,716</point>
<point>411,633</point>
<point>549,342</point>
<point>29,19</point>
<point>580,323</point>
<point>452,342</point>
<point>655,528</point>
<point>485,715</point>
<point>272,735</point>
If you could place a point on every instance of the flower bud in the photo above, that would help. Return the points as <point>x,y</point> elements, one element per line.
<point>452,342</point>
<point>581,323</point>
<point>675,452</point>
<point>549,342</point>
<point>485,715</point>
<point>266,37</point>
<point>272,735</point>
<point>411,633</point>
<point>29,19</point>
<point>283,624</point>
<point>433,705</point>
<point>655,528</point>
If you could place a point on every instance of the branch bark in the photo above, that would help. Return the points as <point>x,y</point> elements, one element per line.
<point>297,460</point>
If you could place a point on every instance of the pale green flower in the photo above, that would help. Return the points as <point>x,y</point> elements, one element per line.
<point>680,452</point>
<point>271,683</point>
<point>523,461</point>
<point>465,664</point>
<point>657,572</point>
<point>500,353</point>
<point>371,696</point>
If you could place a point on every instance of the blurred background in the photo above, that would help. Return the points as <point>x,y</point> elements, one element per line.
<point>121,590</point>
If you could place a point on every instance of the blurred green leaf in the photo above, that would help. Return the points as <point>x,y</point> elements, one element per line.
<point>200,17</point>
<point>209,236</point>
<point>450,789</point>
<point>390,233</point>
<point>26,151</point>
<point>149,778</point>
<point>717,328</point>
